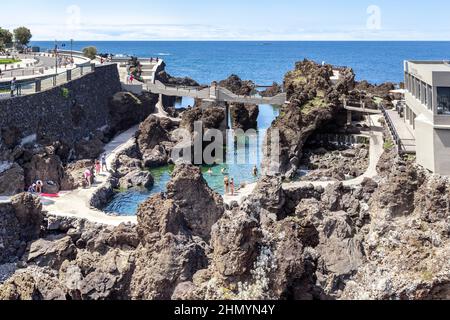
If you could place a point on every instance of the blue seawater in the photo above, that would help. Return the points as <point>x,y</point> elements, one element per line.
<point>268,61</point>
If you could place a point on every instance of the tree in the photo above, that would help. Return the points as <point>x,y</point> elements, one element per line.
<point>90,52</point>
<point>22,35</point>
<point>5,37</point>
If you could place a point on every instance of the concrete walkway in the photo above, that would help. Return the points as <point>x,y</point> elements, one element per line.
<point>76,203</point>
<point>375,152</point>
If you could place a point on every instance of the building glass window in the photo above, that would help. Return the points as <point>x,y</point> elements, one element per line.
<point>443,100</point>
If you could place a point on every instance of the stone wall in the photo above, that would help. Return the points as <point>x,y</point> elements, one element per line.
<point>59,114</point>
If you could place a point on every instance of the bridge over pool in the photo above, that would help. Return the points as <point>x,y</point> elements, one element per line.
<point>214,92</point>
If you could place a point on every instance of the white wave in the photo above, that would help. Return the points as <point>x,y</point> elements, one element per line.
<point>164,54</point>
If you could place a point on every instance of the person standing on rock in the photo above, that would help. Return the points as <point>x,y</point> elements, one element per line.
<point>255,171</point>
<point>104,165</point>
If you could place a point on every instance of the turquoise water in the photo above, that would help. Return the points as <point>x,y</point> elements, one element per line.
<point>241,158</point>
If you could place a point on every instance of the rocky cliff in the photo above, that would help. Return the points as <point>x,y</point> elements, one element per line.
<point>314,100</point>
<point>384,239</point>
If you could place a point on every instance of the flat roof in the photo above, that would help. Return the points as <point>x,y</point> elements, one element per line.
<point>432,65</point>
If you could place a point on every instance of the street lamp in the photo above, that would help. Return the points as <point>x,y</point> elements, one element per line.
<point>71,50</point>
<point>56,57</point>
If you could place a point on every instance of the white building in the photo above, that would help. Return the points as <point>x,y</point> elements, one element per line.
<point>427,112</point>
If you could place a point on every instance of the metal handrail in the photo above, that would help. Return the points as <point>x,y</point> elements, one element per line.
<point>55,78</point>
<point>401,147</point>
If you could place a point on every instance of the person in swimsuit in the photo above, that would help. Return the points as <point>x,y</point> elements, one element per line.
<point>98,167</point>
<point>87,177</point>
<point>39,185</point>
<point>226,183</point>
<point>232,186</point>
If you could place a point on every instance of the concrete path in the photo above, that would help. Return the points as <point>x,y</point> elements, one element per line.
<point>76,203</point>
<point>375,152</point>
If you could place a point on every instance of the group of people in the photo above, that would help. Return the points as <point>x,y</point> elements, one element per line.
<point>130,78</point>
<point>90,173</point>
<point>229,183</point>
<point>36,187</point>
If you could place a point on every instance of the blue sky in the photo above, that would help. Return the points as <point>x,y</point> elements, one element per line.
<point>231,19</point>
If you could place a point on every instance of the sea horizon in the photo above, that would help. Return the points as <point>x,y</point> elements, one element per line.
<point>265,61</point>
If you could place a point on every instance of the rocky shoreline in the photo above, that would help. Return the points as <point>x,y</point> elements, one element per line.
<point>386,238</point>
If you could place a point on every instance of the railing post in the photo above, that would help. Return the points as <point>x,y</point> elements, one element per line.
<point>54,81</point>
<point>38,85</point>
<point>93,67</point>
<point>69,75</point>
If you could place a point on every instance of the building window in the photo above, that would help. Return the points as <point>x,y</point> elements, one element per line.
<point>443,100</point>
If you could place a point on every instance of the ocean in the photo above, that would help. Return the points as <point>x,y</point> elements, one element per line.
<point>267,61</point>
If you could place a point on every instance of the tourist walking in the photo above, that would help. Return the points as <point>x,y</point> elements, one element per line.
<point>104,165</point>
<point>98,167</point>
<point>92,170</point>
<point>226,183</point>
<point>13,86</point>
<point>232,186</point>
<point>87,177</point>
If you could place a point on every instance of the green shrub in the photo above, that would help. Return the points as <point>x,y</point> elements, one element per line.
<point>388,145</point>
<point>65,93</point>
<point>90,52</point>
